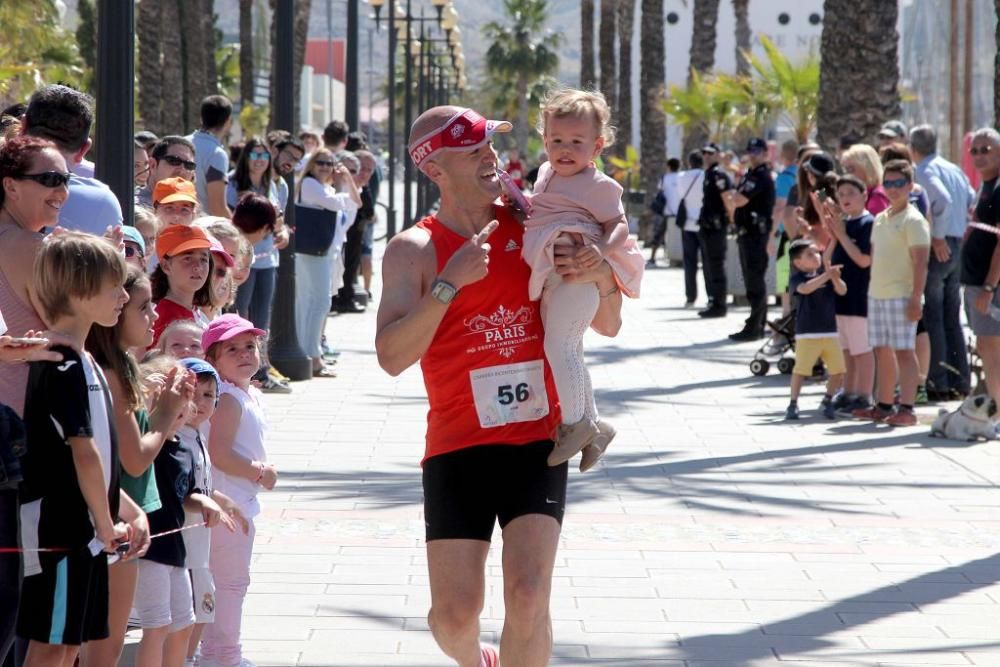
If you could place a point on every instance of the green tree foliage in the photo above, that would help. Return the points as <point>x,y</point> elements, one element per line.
<point>86,40</point>
<point>776,90</point>
<point>521,53</point>
<point>35,50</point>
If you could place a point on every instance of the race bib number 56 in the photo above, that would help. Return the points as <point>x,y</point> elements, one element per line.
<point>510,393</point>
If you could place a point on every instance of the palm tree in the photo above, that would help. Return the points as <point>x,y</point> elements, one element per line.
<point>702,58</point>
<point>149,26</point>
<point>194,51</point>
<point>606,51</point>
<point>521,52</point>
<point>741,8</point>
<point>246,52</point>
<point>172,81</point>
<point>652,121</point>
<point>35,49</point>
<point>587,78</point>
<point>623,109</point>
<point>859,69</point>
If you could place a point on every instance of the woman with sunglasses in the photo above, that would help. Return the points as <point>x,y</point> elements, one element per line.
<point>33,187</point>
<point>255,297</point>
<point>329,185</point>
<point>981,257</point>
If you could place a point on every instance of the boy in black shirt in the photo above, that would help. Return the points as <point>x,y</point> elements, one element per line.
<point>815,323</point>
<point>70,495</point>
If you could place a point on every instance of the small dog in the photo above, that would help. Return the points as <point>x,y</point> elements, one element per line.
<point>974,419</point>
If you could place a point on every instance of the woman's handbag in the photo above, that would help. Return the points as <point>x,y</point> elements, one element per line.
<point>314,230</point>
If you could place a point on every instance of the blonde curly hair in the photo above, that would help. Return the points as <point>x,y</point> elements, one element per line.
<point>563,102</point>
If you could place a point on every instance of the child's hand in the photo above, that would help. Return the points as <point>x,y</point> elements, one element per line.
<point>834,270</point>
<point>29,347</point>
<point>118,532</point>
<point>212,514</point>
<point>230,508</point>
<point>138,539</point>
<point>914,308</point>
<point>270,476</point>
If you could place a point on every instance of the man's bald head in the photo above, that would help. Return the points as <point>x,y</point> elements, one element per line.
<point>431,120</point>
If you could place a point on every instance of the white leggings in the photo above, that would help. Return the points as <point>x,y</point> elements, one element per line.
<point>567,310</point>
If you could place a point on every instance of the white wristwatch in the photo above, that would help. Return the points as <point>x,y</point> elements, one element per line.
<point>443,291</point>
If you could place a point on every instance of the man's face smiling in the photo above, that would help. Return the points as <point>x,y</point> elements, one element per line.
<point>287,158</point>
<point>471,175</point>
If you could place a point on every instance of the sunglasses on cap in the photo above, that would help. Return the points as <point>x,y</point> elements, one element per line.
<point>47,179</point>
<point>175,161</point>
<point>982,150</point>
<point>260,155</point>
<point>895,182</point>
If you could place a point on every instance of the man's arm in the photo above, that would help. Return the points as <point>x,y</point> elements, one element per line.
<point>216,192</point>
<point>607,320</point>
<point>407,317</point>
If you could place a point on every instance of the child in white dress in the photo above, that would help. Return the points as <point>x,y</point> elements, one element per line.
<point>575,204</point>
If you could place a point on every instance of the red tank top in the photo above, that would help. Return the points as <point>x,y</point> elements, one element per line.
<point>485,371</point>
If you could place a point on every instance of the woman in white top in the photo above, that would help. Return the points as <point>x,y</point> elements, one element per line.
<point>321,180</point>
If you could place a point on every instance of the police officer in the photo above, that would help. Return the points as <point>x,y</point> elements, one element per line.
<point>753,202</point>
<point>712,223</point>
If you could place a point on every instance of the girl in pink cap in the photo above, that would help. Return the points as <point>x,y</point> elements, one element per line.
<point>576,204</point>
<point>239,469</point>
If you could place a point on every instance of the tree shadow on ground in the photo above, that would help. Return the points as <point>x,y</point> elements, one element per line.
<point>715,483</point>
<point>795,637</point>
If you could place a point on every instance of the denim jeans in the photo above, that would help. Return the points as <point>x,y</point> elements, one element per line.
<point>692,249</point>
<point>312,299</point>
<point>255,297</point>
<point>942,308</point>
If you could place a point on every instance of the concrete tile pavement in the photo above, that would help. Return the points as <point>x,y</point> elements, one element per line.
<point>712,534</point>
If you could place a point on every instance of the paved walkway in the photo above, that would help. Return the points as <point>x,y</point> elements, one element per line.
<point>714,534</point>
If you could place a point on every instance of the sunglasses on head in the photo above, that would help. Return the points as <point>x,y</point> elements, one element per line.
<point>260,155</point>
<point>324,163</point>
<point>175,161</point>
<point>982,150</point>
<point>47,179</point>
<point>895,182</point>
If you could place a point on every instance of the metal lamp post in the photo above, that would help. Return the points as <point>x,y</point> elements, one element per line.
<point>115,90</point>
<point>284,351</point>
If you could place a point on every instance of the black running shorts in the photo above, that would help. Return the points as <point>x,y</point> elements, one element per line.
<point>67,602</point>
<point>467,491</point>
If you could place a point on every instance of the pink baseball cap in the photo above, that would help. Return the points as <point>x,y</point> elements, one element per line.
<point>464,131</point>
<point>220,252</point>
<point>225,327</point>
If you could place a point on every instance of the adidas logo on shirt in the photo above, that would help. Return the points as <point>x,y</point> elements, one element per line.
<point>512,246</point>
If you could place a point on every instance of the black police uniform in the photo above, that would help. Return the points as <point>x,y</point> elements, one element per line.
<point>753,225</point>
<point>712,234</point>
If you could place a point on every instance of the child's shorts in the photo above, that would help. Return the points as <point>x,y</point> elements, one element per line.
<point>808,350</point>
<point>163,596</point>
<point>852,330</point>
<point>888,326</point>
<point>67,602</point>
<point>203,589</point>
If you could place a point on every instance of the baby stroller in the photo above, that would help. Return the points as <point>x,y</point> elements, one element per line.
<point>780,347</point>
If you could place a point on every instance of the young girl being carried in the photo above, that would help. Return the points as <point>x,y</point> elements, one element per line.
<point>141,434</point>
<point>240,468</point>
<point>575,204</point>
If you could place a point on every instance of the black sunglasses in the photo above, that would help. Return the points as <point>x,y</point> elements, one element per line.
<point>47,179</point>
<point>984,150</point>
<point>131,251</point>
<point>324,163</point>
<point>175,161</point>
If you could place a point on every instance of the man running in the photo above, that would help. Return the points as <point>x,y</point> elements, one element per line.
<point>455,298</point>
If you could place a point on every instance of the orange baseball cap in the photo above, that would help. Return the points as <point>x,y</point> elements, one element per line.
<point>177,239</point>
<point>175,189</point>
